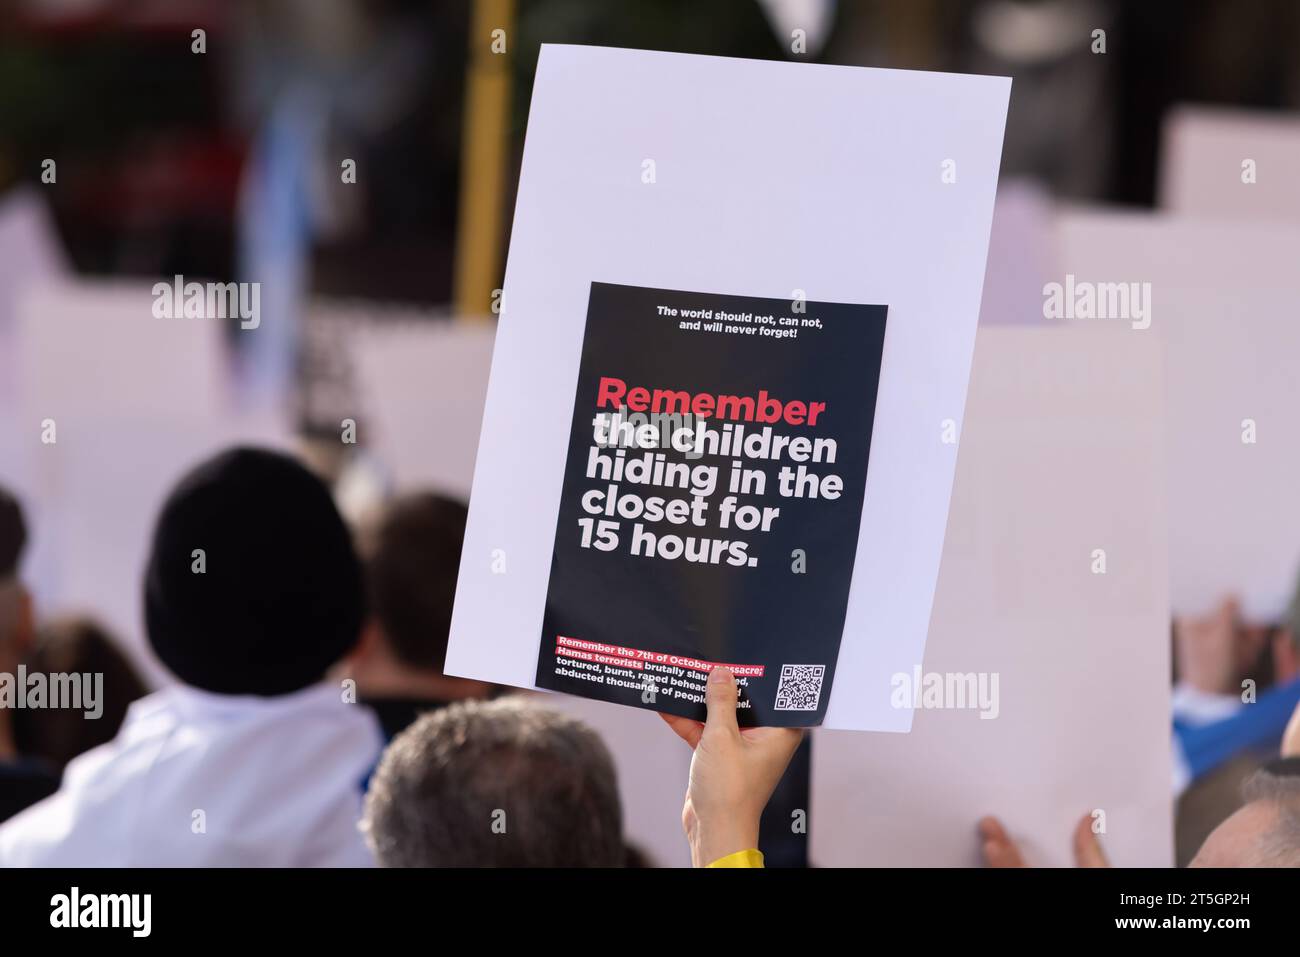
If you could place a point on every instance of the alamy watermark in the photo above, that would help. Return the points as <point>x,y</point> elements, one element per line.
<point>133,912</point>
<point>209,300</point>
<point>1076,299</point>
<point>949,690</point>
<point>77,691</point>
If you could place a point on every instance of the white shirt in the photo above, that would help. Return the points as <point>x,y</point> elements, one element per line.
<point>205,780</point>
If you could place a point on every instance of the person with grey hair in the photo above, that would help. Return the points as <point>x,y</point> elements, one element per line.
<point>23,781</point>
<point>1265,832</point>
<point>505,783</point>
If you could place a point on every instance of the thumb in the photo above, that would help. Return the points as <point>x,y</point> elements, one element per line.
<point>720,699</point>
<point>1087,849</point>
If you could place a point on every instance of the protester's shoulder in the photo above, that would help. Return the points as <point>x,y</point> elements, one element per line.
<point>154,714</point>
<point>23,783</point>
<point>329,703</point>
<point>146,721</point>
<point>29,837</point>
<point>92,784</point>
<point>95,775</point>
<point>321,717</point>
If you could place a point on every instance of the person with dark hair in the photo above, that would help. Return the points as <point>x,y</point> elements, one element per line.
<point>23,779</point>
<point>505,783</point>
<point>412,558</point>
<point>252,592</point>
<point>76,645</point>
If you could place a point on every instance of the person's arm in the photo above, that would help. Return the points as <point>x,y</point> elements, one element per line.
<point>733,774</point>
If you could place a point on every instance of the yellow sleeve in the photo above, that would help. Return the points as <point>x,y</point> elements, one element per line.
<point>750,858</point>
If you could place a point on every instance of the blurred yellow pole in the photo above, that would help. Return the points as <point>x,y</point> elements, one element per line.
<point>484,145</point>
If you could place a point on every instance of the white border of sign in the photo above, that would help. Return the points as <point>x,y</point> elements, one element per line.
<point>770,177</point>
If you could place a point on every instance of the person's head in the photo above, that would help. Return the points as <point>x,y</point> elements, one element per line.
<point>1266,831</point>
<point>412,558</point>
<point>505,783</point>
<point>16,618</point>
<point>76,645</point>
<point>252,585</point>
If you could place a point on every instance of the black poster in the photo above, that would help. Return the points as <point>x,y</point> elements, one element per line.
<point>712,496</point>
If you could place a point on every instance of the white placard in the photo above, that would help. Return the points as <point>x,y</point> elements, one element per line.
<point>853,185</point>
<point>1234,164</point>
<point>1225,301</point>
<point>1061,458</point>
<point>30,255</point>
<point>423,384</point>
<point>96,348</point>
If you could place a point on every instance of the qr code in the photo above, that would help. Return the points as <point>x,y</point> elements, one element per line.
<point>800,688</point>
